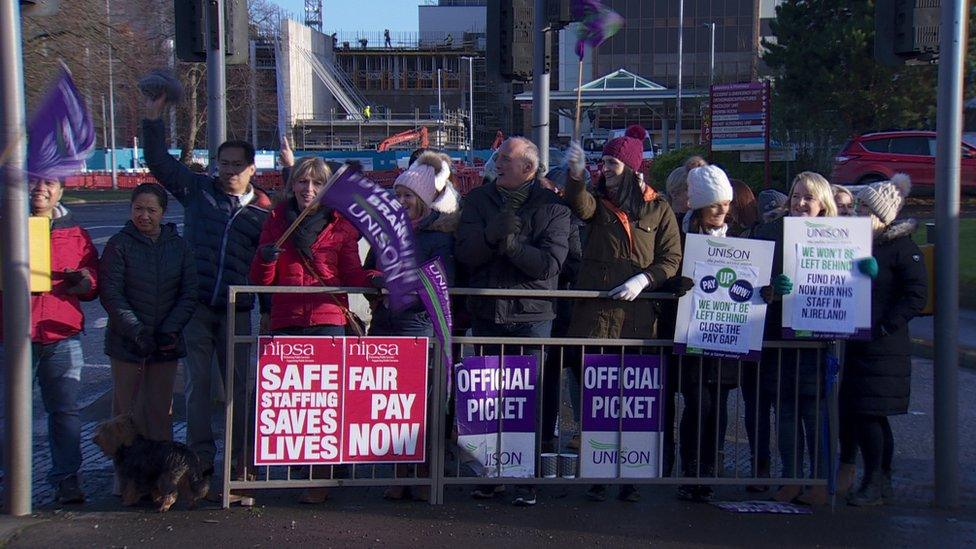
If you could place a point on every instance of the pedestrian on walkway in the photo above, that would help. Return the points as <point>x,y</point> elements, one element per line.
<point>632,245</point>
<point>676,189</point>
<point>322,251</point>
<point>513,233</point>
<point>877,373</point>
<point>223,219</point>
<point>793,378</point>
<point>705,382</point>
<point>149,290</point>
<point>56,321</point>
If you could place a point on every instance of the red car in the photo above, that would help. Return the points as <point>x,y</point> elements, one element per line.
<point>877,156</point>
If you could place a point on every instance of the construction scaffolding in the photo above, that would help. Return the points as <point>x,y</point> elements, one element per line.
<point>339,132</point>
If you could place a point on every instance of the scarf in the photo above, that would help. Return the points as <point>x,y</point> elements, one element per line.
<point>515,198</point>
<point>309,229</point>
<point>629,195</point>
<point>719,232</point>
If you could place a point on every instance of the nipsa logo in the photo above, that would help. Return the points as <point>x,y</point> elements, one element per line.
<point>288,351</point>
<point>375,351</point>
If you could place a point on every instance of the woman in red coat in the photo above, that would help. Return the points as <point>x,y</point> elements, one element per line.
<point>323,250</point>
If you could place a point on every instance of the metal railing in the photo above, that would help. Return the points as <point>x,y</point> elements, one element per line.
<point>707,462</point>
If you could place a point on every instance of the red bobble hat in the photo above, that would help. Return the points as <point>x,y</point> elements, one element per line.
<point>628,149</point>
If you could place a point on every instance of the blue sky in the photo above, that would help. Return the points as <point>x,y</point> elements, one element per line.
<point>364,15</point>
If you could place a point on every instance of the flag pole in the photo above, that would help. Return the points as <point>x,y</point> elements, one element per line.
<point>579,101</point>
<point>311,207</point>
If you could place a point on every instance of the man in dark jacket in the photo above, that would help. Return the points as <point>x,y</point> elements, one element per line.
<point>56,321</point>
<point>513,234</point>
<point>223,220</point>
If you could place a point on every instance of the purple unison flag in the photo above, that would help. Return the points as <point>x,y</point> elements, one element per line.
<point>61,135</point>
<point>433,294</point>
<point>383,221</point>
<point>597,24</point>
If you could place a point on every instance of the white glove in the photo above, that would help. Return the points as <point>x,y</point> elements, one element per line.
<point>628,291</point>
<point>575,160</point>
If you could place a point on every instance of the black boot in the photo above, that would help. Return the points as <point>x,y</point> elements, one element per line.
<point>887,491</point>
<point>870,492</point>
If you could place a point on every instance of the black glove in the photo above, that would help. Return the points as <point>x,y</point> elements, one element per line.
<point>504,224</point>
<point>165,340</point>
<point>679,285</point>
<point>269,253</point>
<point>378,281</point>
<point>767,294</point>
<point>144,343</point>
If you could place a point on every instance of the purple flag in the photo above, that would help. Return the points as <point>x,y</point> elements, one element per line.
<point>433,294</point>
<point>61,134</point>
<point>597,24</point>
<point>383,221</point>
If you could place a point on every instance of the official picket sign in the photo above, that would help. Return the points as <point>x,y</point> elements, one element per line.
<point>333,400</point>
<point>723,315</point>
<point>831,299</point>
<point>495,407</point>
<point>622,435</point>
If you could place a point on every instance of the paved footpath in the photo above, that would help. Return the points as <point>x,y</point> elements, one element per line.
<point>361,517</point>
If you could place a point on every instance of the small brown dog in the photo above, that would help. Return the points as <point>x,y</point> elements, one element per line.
<point>161,469</point>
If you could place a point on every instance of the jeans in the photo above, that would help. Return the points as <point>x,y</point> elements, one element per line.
<point>206,337</point>
<point>57,367</point>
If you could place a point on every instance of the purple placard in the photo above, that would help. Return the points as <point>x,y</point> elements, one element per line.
<point>643,380</point>
<point>481,387</point>
<point>382,221</point>
<point>751,356</point>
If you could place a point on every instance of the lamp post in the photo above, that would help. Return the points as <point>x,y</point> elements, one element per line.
<point>711,53</point>
<point>470,109</point>
<point>681,32</point>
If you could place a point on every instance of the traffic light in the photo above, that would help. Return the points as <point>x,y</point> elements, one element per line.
<point>509,47</point>
<point>191,39</point>
<point>906,30</point>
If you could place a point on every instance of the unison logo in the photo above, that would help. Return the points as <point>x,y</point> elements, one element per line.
<point>726,251</point>
<point>821,230</point>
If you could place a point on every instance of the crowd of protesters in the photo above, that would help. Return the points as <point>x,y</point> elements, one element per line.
<point>166,296</point>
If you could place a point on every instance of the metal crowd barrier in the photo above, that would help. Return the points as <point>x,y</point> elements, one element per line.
<point>442,472</point>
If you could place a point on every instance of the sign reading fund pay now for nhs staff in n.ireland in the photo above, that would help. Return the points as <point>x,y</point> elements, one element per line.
<point>334,400</point>
<point>831,298</point>
<point>723,314</point>
<point>495,409</point>
<point>621,428</point>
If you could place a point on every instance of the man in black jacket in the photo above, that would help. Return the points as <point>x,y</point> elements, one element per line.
<point>223,219</point>
<point>513,234</point>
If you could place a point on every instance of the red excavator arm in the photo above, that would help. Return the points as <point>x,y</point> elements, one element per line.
<point>404,137</point>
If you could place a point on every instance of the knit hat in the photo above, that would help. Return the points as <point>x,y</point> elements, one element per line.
<point>628,149</point>
<point>885,198</point>
<point>769,201</point>
<point>429,179</point>
<point>708,185</point>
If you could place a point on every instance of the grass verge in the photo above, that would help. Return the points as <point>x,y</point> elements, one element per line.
<point>88,196</point>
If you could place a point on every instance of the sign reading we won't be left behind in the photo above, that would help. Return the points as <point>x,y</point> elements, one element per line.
<point>333,400</point>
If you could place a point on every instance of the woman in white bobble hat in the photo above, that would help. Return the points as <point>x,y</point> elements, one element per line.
<point>705,382</point>
<point>877,373</point>
<point>426,192</point>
